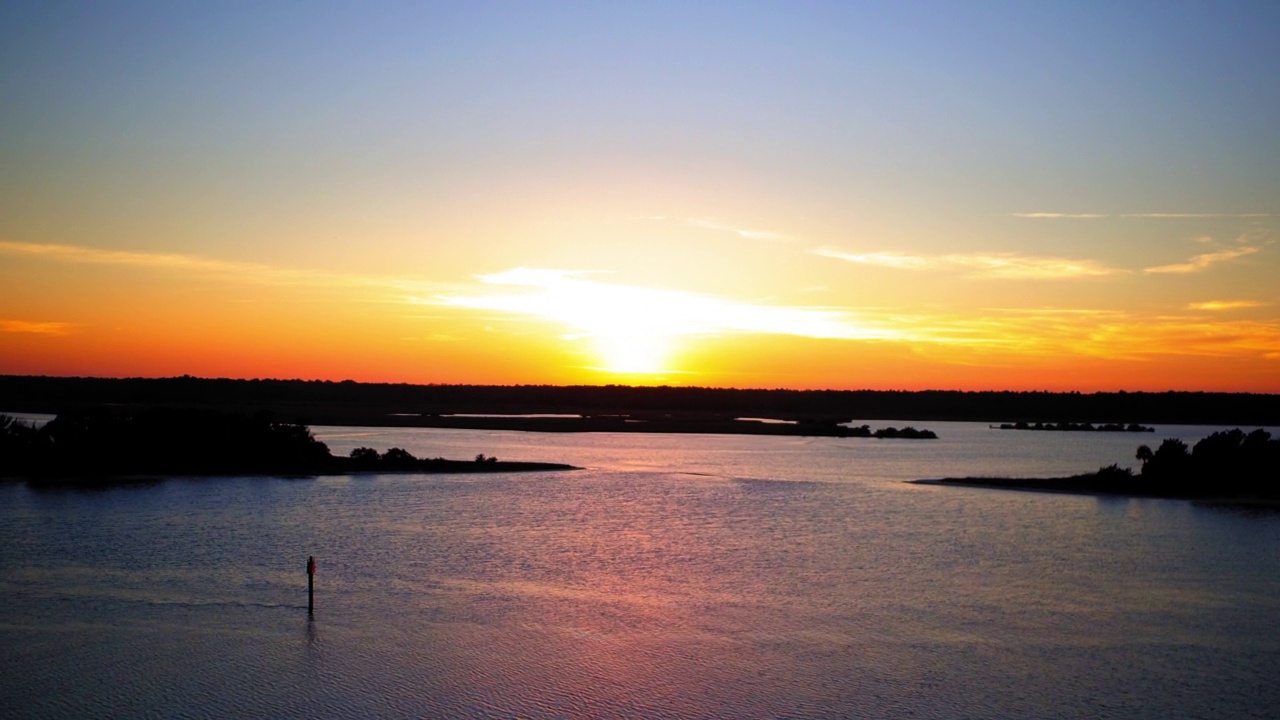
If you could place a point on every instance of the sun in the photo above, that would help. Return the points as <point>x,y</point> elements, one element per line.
<point>633,354</point>
<point>636,331</point>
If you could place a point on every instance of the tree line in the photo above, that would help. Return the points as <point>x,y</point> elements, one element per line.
<point>1231,462</point>
<point>99,441</point>
<point>329,402</point>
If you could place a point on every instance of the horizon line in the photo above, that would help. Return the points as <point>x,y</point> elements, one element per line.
<point>664,386</point>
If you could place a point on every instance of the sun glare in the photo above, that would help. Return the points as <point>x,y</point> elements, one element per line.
<point>632,330</point>
<point>636,330</point>
<point>633,355</point>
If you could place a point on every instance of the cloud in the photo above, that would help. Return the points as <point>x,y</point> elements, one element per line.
<point>1004,266</point>
<point>1203,261</point>
<point>1164,215</point>
<point>1035,268</point>
<point>740,232</point>
<point>594,309</point>
<point>237,271</point>
<point>1175,216</point>
<point>37,328</point>
<point>899,261</point>
<point>622,316</point>
<point>98,256</point>
<point>1141,337</point>
<point>604,310</point>
<point>1065,332</point>
<point>1215,305</point>
<point>1057,215</point>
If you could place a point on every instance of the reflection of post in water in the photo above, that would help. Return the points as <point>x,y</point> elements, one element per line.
<point>313,634</point>
<point>311,587</point>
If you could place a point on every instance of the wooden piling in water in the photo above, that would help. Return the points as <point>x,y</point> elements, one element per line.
<point>311,586</point>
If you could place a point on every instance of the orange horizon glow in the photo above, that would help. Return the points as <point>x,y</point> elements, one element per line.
<point>529,326</point>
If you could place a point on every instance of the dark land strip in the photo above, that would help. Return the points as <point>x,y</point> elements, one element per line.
<point>1227,467</point>
<point>388,404</point>
<point>103,445</point>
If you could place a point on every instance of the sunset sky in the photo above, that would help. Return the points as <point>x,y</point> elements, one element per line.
<point>954,195</point>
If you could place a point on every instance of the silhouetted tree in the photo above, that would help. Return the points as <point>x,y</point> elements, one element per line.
<point>398,459</point>
<point>1229,462</point>
<point>1169,465</point>
<point>364,458</point>
<point>1144,454</point>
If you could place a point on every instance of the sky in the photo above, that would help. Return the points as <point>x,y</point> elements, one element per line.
<point>900,195</point>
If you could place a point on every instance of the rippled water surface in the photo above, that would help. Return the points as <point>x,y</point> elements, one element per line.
<point>675,576</point>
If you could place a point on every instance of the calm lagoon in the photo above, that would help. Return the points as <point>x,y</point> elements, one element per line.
<point>694,576</point>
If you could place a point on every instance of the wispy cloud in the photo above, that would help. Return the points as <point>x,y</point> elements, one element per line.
<point>601,309</point>
<point>1106,334</point>
<point>36,328</point>
<point>719,226</point>
<point>1175,215</point>
<point>1059,215</point>
<point>230,270</point>
<point>1005,266</point>
<point>1217,305</point>
<point>1155,215</point>
<point>1172,335</point>
<point>98,256</point>
<point>749,234</point>
<point>1204,261</point>
<point>900,261</point>
<point>1035,268</point>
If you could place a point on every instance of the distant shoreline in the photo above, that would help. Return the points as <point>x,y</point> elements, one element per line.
<point>317,402</point>
<point>627,423</point>
<point>342,467</point>
<point>1089,485</point>
<point>1075,427</point>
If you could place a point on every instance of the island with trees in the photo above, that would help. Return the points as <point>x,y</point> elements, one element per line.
<point>108,443</point>
<point>1229,465</point>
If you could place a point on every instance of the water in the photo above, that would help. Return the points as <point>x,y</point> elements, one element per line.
<point>676,576</point>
